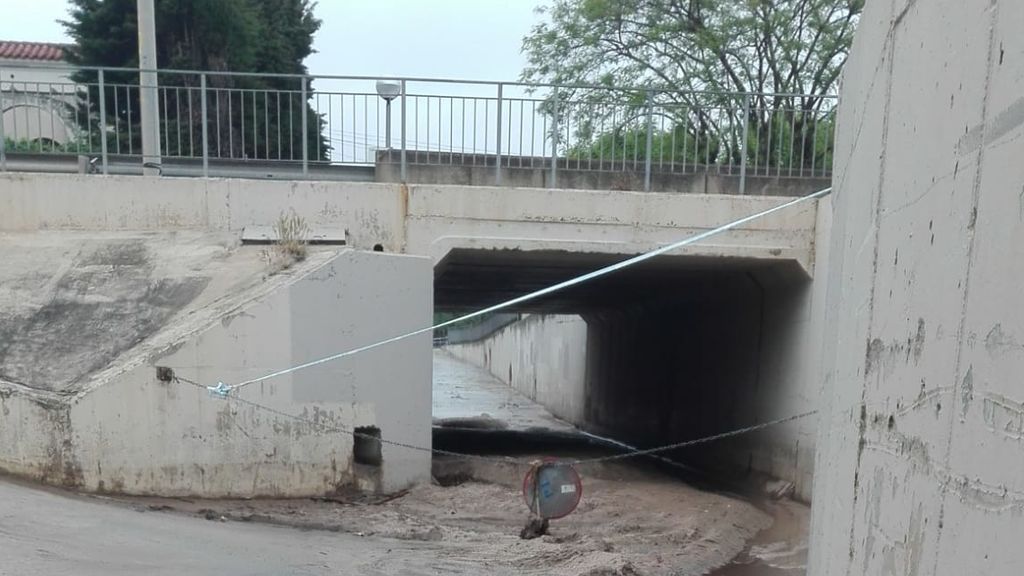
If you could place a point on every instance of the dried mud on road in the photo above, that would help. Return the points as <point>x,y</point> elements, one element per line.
<point>631,521</point>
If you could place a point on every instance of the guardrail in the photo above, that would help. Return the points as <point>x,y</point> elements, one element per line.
<point>358,121</point>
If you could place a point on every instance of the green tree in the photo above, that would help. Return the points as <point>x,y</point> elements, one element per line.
<point>700,56</point>
<point>248,116</point>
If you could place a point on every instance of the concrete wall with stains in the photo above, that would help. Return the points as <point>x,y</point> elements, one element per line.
<point>544,357</point>
<point>425,220</point>
<point>32,435</point>
<point>737,353</point>
<point>127,432</point>
<point>920,464</point>
<point>371,213</point>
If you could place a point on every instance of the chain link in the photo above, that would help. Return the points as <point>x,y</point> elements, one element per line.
<point>704,440</point>
<point>505,460</point>
<point>342,430</point>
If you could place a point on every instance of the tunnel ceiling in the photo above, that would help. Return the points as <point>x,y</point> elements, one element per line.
<point>473,279</point>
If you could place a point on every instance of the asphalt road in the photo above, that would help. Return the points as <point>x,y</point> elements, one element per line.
<point>51,533</point>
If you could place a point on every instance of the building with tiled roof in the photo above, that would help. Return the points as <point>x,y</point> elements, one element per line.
<point>32,51</point>
<point>37,95</point>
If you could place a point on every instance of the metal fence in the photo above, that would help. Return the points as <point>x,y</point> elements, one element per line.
<point>474,331</point>
<point>303,121</point>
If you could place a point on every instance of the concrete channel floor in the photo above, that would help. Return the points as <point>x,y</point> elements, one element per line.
<point>467,394</point>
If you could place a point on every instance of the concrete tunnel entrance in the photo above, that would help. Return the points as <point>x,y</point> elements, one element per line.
<point>677,348</point>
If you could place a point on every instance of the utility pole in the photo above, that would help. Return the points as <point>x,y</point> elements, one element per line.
<point>149,102</point>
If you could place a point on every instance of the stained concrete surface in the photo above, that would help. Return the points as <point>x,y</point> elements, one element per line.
<point>426,220</point>
<point>544,357</point>
<point>920,459</point>
<point>71,302</point>
<point>99,418</point>
<point>530,172</point>
<point>468,395</point>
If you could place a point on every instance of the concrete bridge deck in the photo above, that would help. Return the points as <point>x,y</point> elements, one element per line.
<point>428,220</point>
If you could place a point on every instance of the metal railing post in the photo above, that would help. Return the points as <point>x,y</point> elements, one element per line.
<point>497,165</point>
<point>554,138</point>
<point>3,134</point>
<point>305,126</point>
<point>404,170</point>
<point>206,132</point>
<point>103,123</point>
<point>743,144</point>
<point>650,141</point>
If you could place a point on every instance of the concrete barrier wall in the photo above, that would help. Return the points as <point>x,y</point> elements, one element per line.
<point>442,218</point>
<point>695,182</point>
<point>543,357</point>
<point>425,220</point>
<point>535,172</point>
<point>32,435</point>
<point>371,213</point>
<point>128,432</point>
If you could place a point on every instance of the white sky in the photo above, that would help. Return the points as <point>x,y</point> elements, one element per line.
<point>467,39</point>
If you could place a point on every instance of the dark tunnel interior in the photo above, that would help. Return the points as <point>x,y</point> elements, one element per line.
<point>678,347</point>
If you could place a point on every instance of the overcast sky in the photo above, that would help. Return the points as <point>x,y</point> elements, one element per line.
<point>452,39</point>
<point>471,39</point>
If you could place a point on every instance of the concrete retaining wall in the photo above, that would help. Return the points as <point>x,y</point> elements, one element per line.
<point>921,451</point>
<point>543,357</point>
<point>127,432</point>
<point>525,172</point>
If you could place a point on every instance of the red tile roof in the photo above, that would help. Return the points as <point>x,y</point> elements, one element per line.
<point>39,51</point>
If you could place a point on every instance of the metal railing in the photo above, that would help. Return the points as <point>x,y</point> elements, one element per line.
<point>475,331</point>
<point>497,128</point>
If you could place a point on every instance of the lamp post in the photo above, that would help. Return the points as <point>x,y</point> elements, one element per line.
<point>388,90</point>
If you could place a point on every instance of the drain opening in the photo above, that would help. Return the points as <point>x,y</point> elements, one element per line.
<point>366,447</point>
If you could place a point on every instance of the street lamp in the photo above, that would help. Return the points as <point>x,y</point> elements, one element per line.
<point>388,90</point>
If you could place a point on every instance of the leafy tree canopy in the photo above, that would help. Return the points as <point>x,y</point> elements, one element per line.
<point>764,46</point>
<point>697,57</point>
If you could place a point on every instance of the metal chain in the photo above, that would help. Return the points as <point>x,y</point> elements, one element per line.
<point>343,430</point>
<point>704,440</point>
<point>505,460</point>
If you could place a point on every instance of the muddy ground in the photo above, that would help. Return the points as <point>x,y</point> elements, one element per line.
<point>632,520</point>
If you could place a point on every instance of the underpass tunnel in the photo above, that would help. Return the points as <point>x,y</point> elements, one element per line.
<point>677,348</point>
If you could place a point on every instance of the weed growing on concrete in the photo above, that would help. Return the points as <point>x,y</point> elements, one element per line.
<point>289,247</point>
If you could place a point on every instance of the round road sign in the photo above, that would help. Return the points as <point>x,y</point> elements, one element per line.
<point>552,489</point>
